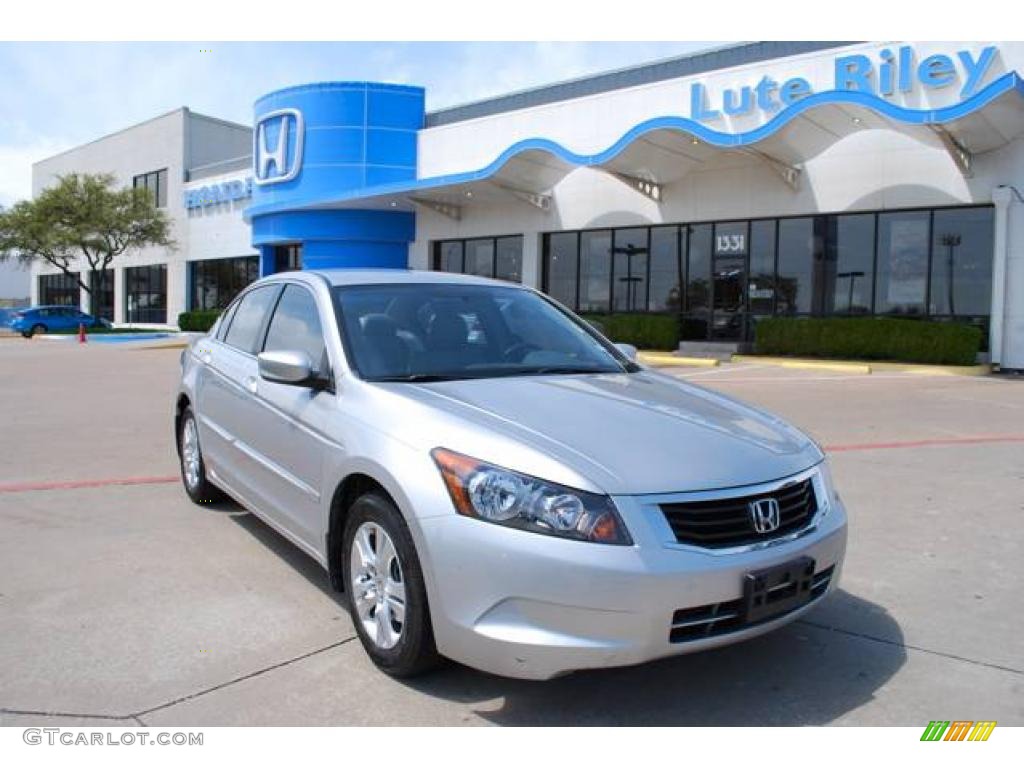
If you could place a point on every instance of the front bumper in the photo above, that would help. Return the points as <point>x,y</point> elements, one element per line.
<point>530,606</point>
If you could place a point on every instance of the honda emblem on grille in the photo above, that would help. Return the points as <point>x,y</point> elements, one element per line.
<point>764,514</point>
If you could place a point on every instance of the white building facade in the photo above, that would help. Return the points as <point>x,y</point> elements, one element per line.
<point>764,179</point>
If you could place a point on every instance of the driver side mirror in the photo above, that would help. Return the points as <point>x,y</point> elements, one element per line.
<point>628,350</point>
<point>286,367</point>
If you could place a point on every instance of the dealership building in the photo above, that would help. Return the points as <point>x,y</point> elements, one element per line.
<point>797,179</point>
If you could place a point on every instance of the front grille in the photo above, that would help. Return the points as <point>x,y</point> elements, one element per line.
<point>722,618</point>
<point>726,522</point>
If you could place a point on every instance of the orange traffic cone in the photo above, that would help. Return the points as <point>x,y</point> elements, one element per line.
<point>81,333</point>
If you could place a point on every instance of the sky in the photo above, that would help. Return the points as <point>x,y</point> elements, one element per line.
<point>60,95</point>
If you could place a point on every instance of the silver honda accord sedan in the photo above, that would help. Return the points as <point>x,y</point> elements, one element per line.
<point>488,479</point>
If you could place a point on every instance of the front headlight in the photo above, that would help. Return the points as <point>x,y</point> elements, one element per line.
<point>501,496</point>
<point>825,489</point>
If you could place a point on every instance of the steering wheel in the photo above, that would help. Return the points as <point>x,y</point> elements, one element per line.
<point>516,352</point>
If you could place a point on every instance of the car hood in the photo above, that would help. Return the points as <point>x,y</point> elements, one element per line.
<point>636,433</point>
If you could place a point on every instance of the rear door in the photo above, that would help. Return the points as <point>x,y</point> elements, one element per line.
<point>224,392</point>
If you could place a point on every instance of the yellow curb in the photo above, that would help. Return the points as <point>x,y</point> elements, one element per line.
<point>667,358</point>
<point>934,370</point>
<point>802,364</point>
<point>168,345</point>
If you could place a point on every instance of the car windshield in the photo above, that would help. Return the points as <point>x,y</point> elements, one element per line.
<point>439,331</point>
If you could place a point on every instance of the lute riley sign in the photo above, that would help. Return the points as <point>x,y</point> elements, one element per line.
<point>892,71</point>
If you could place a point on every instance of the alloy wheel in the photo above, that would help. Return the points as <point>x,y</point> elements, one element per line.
<point>378,585</point>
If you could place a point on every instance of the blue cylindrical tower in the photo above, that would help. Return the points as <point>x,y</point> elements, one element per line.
<point>315,143</point>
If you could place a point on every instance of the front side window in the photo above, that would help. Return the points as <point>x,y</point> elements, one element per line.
<point>296,325</point>
<point>247,322</point>
<point>416,332</point>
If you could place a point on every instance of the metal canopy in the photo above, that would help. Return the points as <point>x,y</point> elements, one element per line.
<point>664,150</point>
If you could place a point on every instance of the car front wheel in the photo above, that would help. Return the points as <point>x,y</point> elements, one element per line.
<point>384,583</point>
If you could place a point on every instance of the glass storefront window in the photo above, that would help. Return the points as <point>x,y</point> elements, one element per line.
<point>849,270</point>
<point>508,259</point>
<point>761,275</point>
<point>215,282</point>
<point>562,267</point>
<point>629,291</point>
<point>499,257</point>
<point>146,294</point>
<point>961,283</point>
<point>101,300</point>
<point>59,289</point>
<point>795,280</point>
<point>479,258</point>
<point>288,258</point>
<point>935,263</point>
<point>595,270</point>
<point>698,268</point>
<point>665,281</point>
<point>449,256</point>
<point>902,263</point>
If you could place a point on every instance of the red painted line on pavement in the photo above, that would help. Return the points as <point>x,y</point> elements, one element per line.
<point>72,484</point>
<point>926,443</point>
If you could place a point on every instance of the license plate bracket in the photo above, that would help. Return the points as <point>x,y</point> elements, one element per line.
<point>777,590</point>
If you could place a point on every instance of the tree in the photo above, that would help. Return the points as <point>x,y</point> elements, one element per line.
<point>82,216</point>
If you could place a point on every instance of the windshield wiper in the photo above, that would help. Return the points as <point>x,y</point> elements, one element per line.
<point>560,369</point>
<point>417,378</point>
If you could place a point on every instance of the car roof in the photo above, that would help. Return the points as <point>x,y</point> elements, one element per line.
<point>355,276</point>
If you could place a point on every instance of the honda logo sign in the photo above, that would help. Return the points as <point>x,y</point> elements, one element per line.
<point>277,146</point>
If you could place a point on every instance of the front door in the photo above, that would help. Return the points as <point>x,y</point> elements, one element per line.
<point>729,282</point>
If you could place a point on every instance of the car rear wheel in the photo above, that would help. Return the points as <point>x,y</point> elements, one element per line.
<point>193,470</point>
<point>384,583</point>
<point>37,328</point>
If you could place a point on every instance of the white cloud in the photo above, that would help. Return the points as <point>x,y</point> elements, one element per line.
<point>18,150</point>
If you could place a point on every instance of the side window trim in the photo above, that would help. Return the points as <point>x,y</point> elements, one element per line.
<point>227,317</point>
<point>264,322</point>
<point>326,357</point>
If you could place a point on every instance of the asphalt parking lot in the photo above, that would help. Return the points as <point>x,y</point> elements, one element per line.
<point>123,603</point>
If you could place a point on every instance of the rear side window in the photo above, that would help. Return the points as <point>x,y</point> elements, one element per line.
<point>296,325</point>
<point>247,322</point>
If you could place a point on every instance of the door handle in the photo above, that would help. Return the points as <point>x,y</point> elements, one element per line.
<point>250,383</point>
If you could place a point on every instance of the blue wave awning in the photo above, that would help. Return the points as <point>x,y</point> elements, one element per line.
<point>664,149</point>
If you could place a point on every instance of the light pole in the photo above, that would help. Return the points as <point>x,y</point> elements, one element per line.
<point>951,241</point>
<point>853,276</point>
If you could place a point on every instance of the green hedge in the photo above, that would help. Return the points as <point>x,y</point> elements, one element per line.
<point>198,320</point>
<point>870,338</point>
<point>642,331</point>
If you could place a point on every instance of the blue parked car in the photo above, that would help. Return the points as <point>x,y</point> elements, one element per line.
<point>33,320</point>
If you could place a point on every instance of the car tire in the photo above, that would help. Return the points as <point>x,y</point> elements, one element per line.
<point>37,328</point>
<point>190,460</point>
<point>387,601</point>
